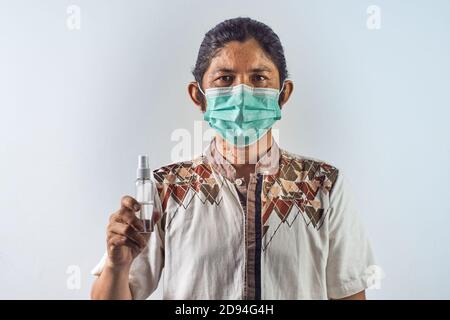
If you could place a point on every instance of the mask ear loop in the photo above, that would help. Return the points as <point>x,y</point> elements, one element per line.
<point>281,91</point>
<point>282,88</point>
<point>199,88</point>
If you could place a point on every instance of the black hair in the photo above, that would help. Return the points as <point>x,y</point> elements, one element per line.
<point>239,29</point>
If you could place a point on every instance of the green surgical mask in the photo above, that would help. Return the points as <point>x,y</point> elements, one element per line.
<point>242,114</point>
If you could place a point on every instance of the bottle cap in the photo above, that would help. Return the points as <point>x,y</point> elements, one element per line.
<point>143,170</point>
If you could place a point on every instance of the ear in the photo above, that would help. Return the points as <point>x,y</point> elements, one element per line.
<point>286,93</point>
<point>196,96</point>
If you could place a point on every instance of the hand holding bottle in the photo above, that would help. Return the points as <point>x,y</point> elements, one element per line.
<point>125,239</point>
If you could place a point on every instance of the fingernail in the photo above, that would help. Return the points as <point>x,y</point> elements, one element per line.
<point>136,206</point>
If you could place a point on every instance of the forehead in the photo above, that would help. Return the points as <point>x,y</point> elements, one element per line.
<point>241,57</point>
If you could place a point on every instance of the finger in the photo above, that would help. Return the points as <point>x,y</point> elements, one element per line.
<point>128,231</point>
<point>114,216</point>
<point>118,240</point>
<point>130,203</point>
<point>127,216</point>
<point>113,235</point>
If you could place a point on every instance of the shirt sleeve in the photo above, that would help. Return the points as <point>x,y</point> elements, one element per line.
<point>146,268</point>
<point>350,255</point>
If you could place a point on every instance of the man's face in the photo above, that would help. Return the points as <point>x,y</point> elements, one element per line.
<point>241,63</point>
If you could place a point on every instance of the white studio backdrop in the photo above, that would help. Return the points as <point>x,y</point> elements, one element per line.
<point>86,86</point>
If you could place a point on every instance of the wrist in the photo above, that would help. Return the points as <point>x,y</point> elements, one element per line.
<point>117,268</point>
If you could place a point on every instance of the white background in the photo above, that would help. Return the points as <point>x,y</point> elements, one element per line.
<point>77,107</point>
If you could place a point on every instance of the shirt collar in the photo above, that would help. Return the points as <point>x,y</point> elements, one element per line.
<point>267,164</point>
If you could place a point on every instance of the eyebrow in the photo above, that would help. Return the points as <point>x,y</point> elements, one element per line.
<point>224,70</point>
<point>229,70</point>
<point>261,69</point>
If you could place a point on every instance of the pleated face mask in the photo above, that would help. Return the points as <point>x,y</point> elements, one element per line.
<point>242,114</point>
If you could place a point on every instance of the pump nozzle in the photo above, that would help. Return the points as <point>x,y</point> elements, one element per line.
<point>143,170</point>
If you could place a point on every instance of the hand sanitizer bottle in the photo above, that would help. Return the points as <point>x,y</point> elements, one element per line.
<point>144,193</point>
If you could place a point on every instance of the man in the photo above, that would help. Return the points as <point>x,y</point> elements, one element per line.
<point>246,220</point>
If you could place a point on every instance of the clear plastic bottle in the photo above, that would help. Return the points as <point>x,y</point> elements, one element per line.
<point>144,193</point>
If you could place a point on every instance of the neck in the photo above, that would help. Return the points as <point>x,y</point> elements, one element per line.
<point>244,156</point>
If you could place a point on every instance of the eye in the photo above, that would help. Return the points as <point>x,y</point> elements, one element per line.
<point>224,80</point>
<point>259,78</point>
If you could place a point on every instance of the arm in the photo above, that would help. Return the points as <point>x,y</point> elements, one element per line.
<point>112,284</point>
<point>350,254</point>
<point>357,296</point>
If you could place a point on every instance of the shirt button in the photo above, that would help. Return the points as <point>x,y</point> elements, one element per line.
<point>239,182</point>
